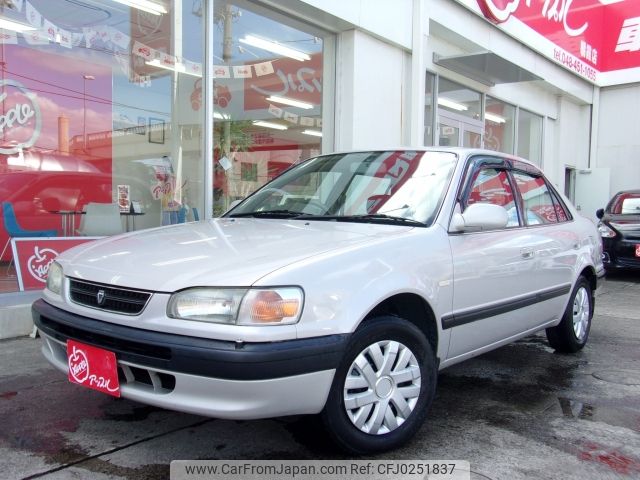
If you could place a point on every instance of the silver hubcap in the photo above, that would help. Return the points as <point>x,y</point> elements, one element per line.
<point>382,387</point>
<point>581,311</point>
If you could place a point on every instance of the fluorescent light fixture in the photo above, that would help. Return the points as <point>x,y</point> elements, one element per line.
<point>275,126</point>
<point>290,101</point>
<point>177,67</point>
<point>315,133</point>
<point>14,26</point>
<point>445,102</point>
<point>492,117</point>
<point>144,5</point>
<point>275,47</point>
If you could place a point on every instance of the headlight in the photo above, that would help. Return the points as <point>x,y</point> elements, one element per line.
<point>54,278</point>
<point>606,232</point>
<point>272,306</point>
<point>218,305</point>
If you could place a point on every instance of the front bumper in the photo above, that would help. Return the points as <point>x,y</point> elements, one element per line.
<point>208,377</point>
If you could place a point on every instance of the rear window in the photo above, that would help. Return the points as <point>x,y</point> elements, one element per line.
<point>626,204</point>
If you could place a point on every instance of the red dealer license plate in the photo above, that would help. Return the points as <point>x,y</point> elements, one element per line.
<point>93,367</point>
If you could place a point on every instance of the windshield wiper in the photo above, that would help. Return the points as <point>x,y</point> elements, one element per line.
<point>369,217</point>
<point>267,214</point>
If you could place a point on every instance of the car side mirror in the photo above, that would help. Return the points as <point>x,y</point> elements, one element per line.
<point>480,217</point>
<point>600,213</point>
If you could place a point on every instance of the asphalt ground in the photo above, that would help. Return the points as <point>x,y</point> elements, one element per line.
<point>519,412</point>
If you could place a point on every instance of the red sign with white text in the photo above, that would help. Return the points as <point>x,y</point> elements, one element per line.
<point>589,37</point>
<point>93,368</point>
<point>287,78</point>
<point>34,255</point>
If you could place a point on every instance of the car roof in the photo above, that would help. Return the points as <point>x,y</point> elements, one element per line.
<point>622,192</point>
<point>461,152</point>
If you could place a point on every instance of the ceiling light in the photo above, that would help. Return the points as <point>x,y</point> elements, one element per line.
<point>290,101</point>
<point>14,26</point>
<point>177,67</point>
<point>275,126</point>
<point>274,47</point>
<point>315,133</point>
<point>492,117</point>
<point>445,102</point>
<point>144,5</point>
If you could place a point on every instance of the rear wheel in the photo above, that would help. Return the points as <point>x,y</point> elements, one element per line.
<point>383,387</point>
<point>572,333</point>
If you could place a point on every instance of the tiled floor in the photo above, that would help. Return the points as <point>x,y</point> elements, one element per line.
<point>8,279</point>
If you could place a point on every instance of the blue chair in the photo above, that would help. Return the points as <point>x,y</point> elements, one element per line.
<point>196,215</point>
<point>182,215</point>
<point>15,230</point>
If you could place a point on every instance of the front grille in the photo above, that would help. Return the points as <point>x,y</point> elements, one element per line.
<point>109,298</point>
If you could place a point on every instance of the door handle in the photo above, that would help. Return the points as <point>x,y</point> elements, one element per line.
<point>527,252</point>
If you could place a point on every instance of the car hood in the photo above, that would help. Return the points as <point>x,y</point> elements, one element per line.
<point>219,252</point>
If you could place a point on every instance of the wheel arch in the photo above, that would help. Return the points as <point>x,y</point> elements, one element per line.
<point>590,274</point>
<point>413,308</point>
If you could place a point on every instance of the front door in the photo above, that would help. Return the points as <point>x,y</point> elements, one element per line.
<point>458,131</point>
<point>491,270</point>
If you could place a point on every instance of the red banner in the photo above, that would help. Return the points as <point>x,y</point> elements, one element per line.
<point>592,36</point>
<point>287,78</point>
<point>34,255</point>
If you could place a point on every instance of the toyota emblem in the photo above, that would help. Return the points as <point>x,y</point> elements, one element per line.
<point>100,297</point>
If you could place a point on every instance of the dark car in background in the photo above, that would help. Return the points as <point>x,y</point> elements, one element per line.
<point>620,229</point>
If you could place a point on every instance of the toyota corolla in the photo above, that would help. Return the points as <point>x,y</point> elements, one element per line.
<point>340,288</point>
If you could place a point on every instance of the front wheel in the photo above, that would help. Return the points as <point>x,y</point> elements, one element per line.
<point>382,388</point>
<point>572,333</point>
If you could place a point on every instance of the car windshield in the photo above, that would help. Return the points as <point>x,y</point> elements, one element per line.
<point>626,204</point>
<point>400,187</point>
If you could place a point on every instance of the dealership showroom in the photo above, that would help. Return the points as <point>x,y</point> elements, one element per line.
<point>448,288</point>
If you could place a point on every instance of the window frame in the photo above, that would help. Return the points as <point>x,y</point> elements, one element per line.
<point>476,163</point>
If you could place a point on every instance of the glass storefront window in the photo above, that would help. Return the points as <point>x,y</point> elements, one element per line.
<point>100,104</point>
<point>268,98</point>
<point>499,122</point>
<point>530,136</point>
<point>458,99</point>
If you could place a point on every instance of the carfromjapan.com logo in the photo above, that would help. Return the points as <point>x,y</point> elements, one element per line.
<point>20,120</point>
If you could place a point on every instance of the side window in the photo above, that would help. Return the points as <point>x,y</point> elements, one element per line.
<point>493,186</point>
<point>561,210</point>
<point>539,207</point>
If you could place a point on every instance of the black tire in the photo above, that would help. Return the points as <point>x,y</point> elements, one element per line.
<point>388,332</point>
<point>563,337</point>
